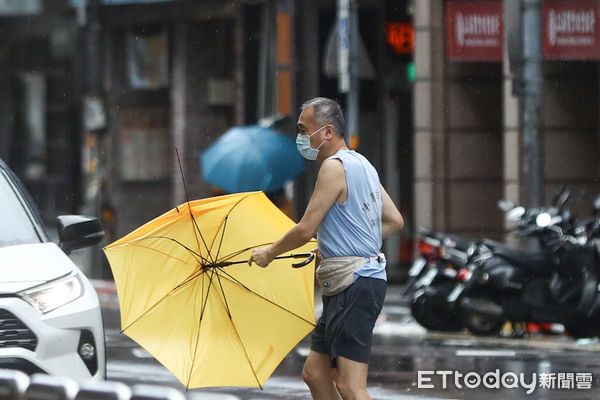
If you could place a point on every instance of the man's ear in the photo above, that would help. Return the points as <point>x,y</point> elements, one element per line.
<point>329,129</point>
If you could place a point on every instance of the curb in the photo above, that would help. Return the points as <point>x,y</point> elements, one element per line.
<point>104,287</point>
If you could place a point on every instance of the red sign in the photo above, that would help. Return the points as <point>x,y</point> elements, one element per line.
<point>400,36</point>
<point>571,29</point>
<point>474,30</point>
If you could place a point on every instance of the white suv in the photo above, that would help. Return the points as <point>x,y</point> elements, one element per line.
<point>50,318</point>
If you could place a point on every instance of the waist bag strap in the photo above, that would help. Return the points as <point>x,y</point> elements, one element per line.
<point>337,273</point>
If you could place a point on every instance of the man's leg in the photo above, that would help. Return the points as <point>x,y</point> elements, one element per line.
<point>318,375</point>
<point>351,379</point>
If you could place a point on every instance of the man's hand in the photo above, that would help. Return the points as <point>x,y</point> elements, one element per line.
<point>261,256</point>
<point>317,253</point>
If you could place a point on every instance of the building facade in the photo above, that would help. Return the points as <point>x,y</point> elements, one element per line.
<point>438,116</point>
<point>38,108</point>
<point>467,132</point>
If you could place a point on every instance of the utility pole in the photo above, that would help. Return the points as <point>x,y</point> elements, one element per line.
<point>267,77</point>
<point>93,120</point>
<point>531,102</point>
<point>348,65</point>
<point>93,48</point>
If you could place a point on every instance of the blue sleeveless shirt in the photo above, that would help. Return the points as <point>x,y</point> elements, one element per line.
<point>354,227</point>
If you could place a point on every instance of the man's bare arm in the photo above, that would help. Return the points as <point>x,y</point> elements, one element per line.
<point>331,182</point>
<point>391,219</point>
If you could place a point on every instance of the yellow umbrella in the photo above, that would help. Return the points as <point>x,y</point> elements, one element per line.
<point>189,298</point>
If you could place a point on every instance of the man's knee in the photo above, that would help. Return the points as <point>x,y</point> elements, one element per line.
<point>348,389</point>
<point>351,379</point>
<point>308,376</point>
<point>316,371</point>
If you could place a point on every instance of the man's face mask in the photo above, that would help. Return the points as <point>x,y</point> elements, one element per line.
<point>303,145</point>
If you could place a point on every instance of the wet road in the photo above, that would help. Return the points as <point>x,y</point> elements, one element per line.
<point>408,363</point>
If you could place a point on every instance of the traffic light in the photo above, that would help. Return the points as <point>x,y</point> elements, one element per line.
<point>400,36</point>
<point>410,72</point>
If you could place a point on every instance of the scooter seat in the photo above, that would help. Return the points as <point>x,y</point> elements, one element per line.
<point>460,243</point>
<point>537,261</point>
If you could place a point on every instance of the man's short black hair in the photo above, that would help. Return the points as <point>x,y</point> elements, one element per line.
<point>327,111</point>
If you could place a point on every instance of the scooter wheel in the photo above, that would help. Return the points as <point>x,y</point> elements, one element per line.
<point>483,325</point>
<point>433,317</point>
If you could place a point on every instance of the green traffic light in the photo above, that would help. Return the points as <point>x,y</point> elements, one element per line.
<point>410,72</point>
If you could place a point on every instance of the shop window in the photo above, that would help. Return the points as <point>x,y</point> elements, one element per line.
<point>148,57</point>
<point>144,143</point>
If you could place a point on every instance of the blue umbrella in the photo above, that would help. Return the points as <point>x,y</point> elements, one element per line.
<point>248,158</point>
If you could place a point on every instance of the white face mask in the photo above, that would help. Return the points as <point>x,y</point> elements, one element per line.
<point>303,145</point>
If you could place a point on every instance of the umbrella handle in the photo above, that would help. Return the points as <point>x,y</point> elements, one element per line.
<point>309,258</point>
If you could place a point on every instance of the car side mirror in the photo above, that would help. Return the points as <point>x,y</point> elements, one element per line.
<point>77,231</point>
<point>563,198</point>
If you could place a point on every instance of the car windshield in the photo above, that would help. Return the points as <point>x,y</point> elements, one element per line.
<point>16,226</point>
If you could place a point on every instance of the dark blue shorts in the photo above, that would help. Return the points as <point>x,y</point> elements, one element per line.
<point>346,326</point>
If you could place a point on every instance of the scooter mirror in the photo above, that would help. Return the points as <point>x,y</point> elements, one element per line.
<point>515,214</point>
<point>563,198</point>
<point>506,205</point>
<point>543,220</point>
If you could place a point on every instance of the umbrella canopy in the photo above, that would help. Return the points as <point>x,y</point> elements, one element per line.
<point>208,320</point>
<point>250,158</point>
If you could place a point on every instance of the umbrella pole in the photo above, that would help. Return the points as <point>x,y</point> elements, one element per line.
<point>309,257</point>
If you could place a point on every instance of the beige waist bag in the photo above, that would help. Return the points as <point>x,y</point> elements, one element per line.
<point>337,273</point>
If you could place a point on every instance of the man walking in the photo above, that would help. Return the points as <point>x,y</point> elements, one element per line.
<point>350,212</point>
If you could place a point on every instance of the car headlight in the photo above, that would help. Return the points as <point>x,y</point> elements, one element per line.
<point>55,294</point>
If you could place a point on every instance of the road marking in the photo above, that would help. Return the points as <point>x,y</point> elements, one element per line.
<point>391,309</point>
<point>391,328</point>
<point>140,353</point>
<point>485,353</point>
<point>119,370</point>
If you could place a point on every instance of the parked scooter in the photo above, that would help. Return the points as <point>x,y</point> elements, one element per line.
<point>558,284</point>
<point>437,253</point>
<point>433,277</point>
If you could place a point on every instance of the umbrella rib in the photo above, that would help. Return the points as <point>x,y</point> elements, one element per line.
<point>207,294</point>
<point>222,236</point>
<point>199,325</point>
<point>160,252</point>
<point>223,293</point>
<point>222,224</point>
<point>197,230</point>
<point>188,280</point>
<point>234,280</point>
<point>236,331</point>
<point>198,257</point>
